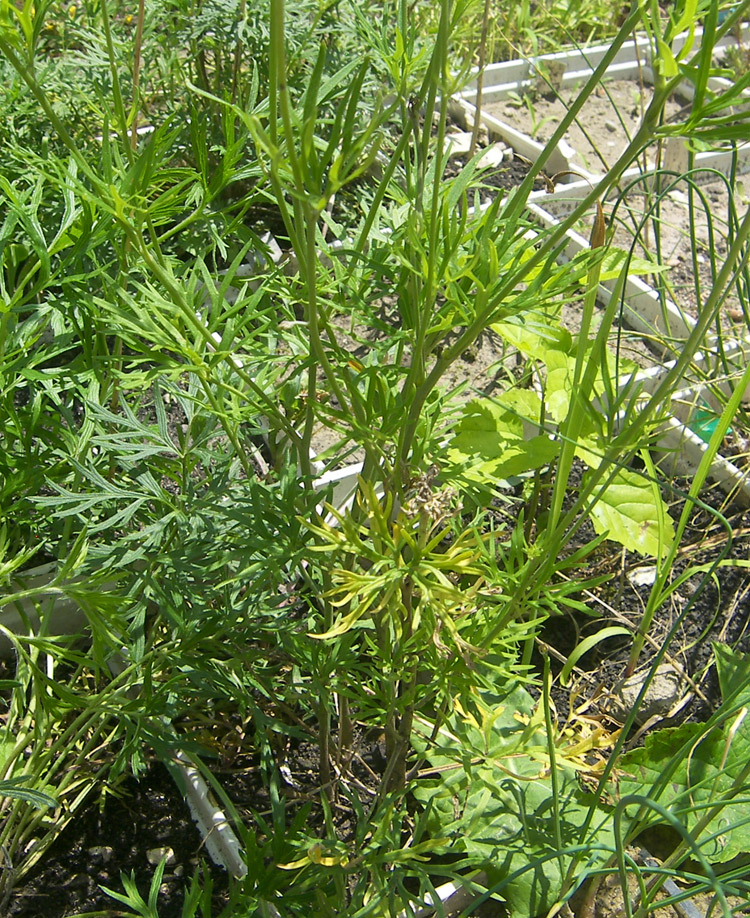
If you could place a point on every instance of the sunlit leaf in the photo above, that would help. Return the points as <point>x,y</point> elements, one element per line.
<point>629,513</point>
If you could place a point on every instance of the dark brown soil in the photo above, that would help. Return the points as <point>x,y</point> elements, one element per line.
<point>115,836</point>
<point>704,610</point>
<point>505,177</point>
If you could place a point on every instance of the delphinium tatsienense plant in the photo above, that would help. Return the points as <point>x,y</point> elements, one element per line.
<point>399,579</point>
<point>168,412</point>
<point>409,597</point>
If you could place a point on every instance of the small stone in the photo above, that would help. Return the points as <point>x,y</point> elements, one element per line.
<point>642,576</point>
<point>156,855</point>
<point>663,696</point>
<point>678,196</point>
<point>458,143</point>
<point>101,853</point>
<point>494,155</point>
<point>735,314</point>
<point>610,126</point>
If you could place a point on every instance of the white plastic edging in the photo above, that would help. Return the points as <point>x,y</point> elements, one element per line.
<point>686,449</point>
<point>344,482</point>
<point>577,64</point>
<point>632,62</point>
<point>643,311</point>
<point>464,113</point>
<point>221,842</point>
<point>451,898</point>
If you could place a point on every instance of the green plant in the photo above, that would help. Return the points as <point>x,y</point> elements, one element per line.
<point>501,783</point>
<point>197,897</point>
<point>55,727</point>
<point>165,414</point>
<point>527,100</point>
<point>479,263</point>
<point>526,29</point>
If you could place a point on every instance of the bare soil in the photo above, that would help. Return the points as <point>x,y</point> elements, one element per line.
<point>123,832</point>
<point>603,129</point>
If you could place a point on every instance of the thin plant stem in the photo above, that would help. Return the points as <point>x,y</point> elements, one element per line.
<point>664,569</point>
<point>137,72</point>
<point>480,78</point>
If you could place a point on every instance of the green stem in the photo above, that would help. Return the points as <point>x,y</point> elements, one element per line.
<point>480,78</point>
<point>665,568</point>
<point>114,71</point>
<point>136,71</point>
<point>580,393</point>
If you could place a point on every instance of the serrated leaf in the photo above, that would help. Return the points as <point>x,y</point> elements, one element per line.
<point>630,513</point>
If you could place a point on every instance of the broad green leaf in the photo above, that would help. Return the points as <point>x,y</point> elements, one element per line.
<point>559,383</point>
<point>549,343</point>
<point>494,799</point>
<point>535,339</point>
<point>691,769</point>
<point>495,440</point>
<point>589,448</point>
<point>629,513</point>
